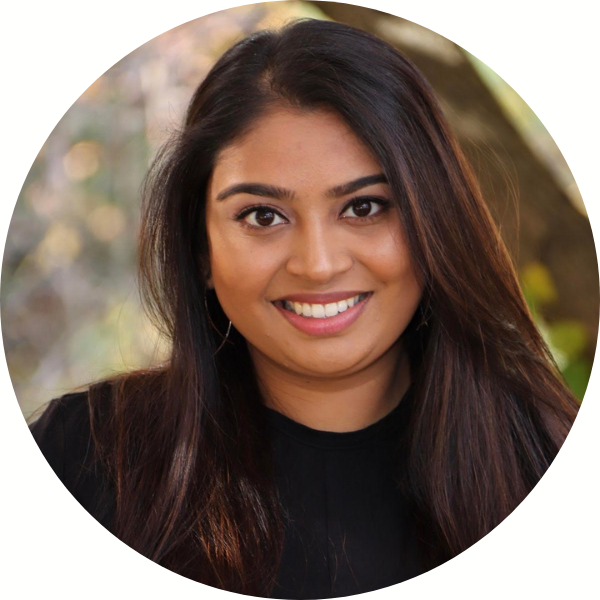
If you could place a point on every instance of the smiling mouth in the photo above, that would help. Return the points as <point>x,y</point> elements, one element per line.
<point>321,311</point>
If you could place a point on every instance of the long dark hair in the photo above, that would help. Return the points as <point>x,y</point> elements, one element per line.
<point>185,442</point>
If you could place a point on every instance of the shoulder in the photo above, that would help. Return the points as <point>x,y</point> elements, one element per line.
<point>63,427</point>
<point>64,435</point>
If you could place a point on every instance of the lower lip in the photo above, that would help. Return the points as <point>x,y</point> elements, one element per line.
<point>327,326</point>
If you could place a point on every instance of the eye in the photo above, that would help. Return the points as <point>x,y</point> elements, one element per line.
<point>364,207</point>
<point>260,216</point>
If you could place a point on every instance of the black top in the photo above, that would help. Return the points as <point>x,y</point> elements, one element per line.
<point>347,527</point>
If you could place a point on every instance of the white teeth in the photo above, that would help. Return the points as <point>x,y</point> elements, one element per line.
<point>318,311</point>
<point>322,311</point>
<point>331,309</point>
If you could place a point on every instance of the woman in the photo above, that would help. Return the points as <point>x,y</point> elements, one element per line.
<point>356,391</point>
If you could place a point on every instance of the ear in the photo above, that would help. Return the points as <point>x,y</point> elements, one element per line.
<point>204,267</point>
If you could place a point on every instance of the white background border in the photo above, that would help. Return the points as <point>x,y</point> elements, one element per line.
<point>52,51</point>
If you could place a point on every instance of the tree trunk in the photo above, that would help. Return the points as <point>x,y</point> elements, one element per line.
<point>542,225</point>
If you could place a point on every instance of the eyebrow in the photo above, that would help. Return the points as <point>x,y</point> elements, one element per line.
<point>272,191</point>
<point>257,189</point>
<point>354,186</point>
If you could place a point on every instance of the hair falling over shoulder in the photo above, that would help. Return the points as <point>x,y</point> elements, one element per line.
<point>184,443</point>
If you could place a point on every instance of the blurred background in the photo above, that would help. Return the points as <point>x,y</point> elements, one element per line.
<point>70,306</point>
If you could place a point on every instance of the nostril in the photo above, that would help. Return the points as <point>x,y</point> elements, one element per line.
<point>319,266</point>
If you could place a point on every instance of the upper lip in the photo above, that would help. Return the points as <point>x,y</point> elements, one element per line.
<point>325,298</point>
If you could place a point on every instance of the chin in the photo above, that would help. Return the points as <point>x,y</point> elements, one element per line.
<point>328,366</point>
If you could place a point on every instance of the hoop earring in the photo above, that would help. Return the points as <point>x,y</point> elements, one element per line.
<point>226,336</point>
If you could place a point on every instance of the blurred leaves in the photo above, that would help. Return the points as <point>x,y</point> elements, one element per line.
<point>82,160</point>
<point>567,339</point>
<point>70,307</point>
<point>537,284</point>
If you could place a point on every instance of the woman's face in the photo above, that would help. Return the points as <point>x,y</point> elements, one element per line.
<point>307,255</point>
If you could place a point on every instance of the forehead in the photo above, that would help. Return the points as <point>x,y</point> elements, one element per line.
<point>295,149</point>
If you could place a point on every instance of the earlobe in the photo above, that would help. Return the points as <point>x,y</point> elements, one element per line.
<point>205,272</point>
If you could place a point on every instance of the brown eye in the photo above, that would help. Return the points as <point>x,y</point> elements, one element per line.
<point>265,217</point>
<point>261,216</point>
<point>361,208</point>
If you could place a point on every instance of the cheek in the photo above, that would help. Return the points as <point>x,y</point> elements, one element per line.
<point>390,258</point>
<point>241,270</point>
<point>392,264</point>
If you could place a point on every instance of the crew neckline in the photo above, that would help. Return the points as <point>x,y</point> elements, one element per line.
<point>336,440</point>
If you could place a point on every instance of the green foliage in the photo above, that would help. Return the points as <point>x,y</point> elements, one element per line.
<point>538,285</point>
<point>567,339</point>
<point>577,375</point>
<point>570,337</point>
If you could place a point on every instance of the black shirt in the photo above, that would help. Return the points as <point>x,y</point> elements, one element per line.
<point>347,526</point>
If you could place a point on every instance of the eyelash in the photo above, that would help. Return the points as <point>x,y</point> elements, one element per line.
<point>384,206</point>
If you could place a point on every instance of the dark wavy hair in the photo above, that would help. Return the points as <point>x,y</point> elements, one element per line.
<point>184,442</point>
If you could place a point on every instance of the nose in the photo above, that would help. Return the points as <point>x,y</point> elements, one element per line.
<point>318,253</point>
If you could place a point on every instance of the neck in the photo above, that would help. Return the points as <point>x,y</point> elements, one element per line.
<point>335,403</point>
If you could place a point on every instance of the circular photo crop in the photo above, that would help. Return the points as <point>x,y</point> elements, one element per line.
<point>299,300</point>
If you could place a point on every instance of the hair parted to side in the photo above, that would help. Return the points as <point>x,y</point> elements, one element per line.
<point>191,466</point>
